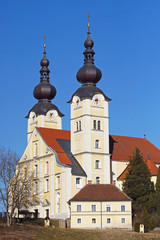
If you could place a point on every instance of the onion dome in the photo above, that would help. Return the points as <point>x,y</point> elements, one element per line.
<point>44,90</point>
<point>89,73</point>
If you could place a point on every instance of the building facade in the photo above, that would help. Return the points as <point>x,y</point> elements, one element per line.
<point>59,162</point>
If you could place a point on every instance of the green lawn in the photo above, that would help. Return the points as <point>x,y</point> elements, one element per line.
<point>27,232</point>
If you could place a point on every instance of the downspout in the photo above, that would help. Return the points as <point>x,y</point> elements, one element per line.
<point>101,214</point>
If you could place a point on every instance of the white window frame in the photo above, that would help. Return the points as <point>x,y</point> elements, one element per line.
<point>58,182</point>
<point>46,184</point>
<point>79,220</point>
<point>78,185</point>
<point>97,144</point>
<point>79,208</point>
<point>46,168</point>
<point>108,206</point>
<point>93,208</point>
<point>94,220</point>
<point>97,164</point>
<point>109,219</point>
<point>123,207</point>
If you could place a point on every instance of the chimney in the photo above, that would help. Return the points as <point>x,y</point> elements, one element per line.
<point>89,181</point>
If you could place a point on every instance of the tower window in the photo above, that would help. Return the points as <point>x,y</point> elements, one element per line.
<point>78,126</point>
<point>96,125</point>
<point>96,143</point>
<point>97,164</point>
<point>99,125</point>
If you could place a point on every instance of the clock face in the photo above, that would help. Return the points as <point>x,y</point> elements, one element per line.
<point>97,100</point>
<point>51,115</point>
<point>77,101</point>
<point>33,116</point>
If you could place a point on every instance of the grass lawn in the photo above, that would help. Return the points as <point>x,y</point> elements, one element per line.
<point>28,232</point>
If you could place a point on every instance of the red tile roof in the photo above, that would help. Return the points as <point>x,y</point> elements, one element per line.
<point>100,192</point>
<point>151,166</point>
<point>50,135</point>
<point>123,147</point>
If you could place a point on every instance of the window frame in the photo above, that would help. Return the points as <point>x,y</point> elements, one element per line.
<point>79,220</point>
<point>123,220</point>
<point>123,207</point>
<point>108,207</point>
<point>93,207</point>
<point>79,208</point>
<point>109,220</point>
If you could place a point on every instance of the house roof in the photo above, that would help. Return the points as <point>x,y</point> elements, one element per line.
<point>100,192</point>
<point>151,166</point>
<point>59,141</point>
<point>122,147</point>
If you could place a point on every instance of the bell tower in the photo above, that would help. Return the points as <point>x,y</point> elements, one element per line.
<point>90,120</point>
<point>44,113</point>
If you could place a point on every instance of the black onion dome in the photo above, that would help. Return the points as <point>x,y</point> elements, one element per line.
<point>89,73</point>
<point>44,92</point>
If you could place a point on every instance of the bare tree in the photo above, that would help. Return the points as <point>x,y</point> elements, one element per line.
<point>14,187</point>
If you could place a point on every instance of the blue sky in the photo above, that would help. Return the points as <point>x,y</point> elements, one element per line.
<point>126,35</point>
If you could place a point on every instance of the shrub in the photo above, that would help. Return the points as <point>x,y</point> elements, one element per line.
<point>152,224</point>
<point>136,226</point>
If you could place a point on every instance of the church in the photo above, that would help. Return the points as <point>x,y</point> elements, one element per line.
<point>64,162</point>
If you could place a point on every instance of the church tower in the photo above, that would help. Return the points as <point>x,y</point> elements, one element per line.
<point>90,120</point>
<point>44,113</point>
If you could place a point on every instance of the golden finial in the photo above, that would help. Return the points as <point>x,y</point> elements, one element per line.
<point>44,41</point>
<point>88,22</point>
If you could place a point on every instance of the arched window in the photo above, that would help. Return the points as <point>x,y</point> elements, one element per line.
<point>97,164</point>
<point>35,149</point>
<point>47,167</point>
<point>99,125</point>
<point>94,124</point>
<point>96,143</point>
